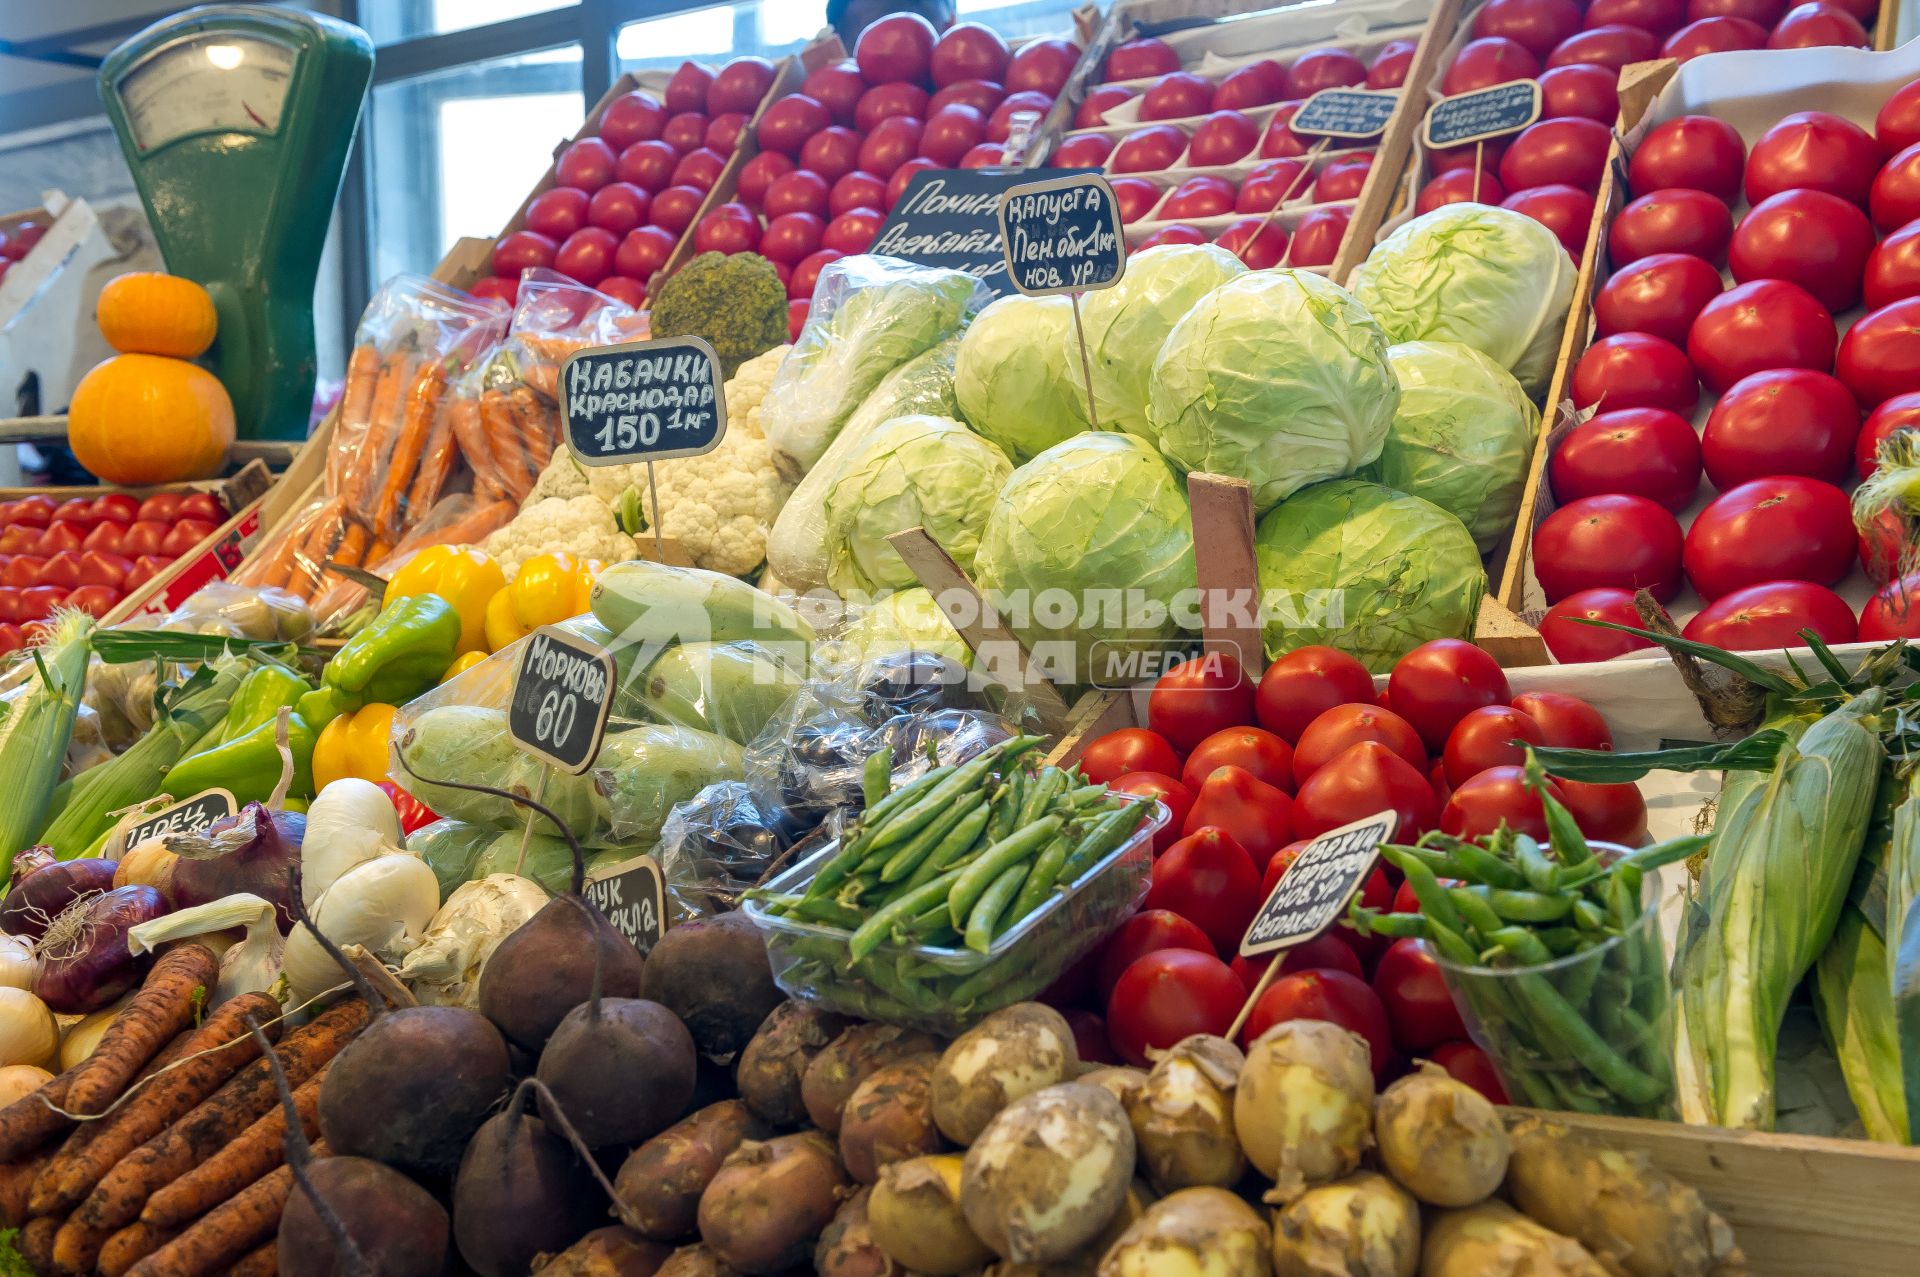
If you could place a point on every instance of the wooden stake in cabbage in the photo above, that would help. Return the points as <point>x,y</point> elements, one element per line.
<point>36,727</point>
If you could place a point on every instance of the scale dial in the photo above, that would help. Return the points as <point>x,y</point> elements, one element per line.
<point>209,83</point>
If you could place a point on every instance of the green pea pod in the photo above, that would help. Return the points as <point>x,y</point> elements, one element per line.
<point>914,851</point>
<point>1433,898</point>
<point>1529,906</point>
<point>915,818</point>
<point>1041,794</point>
<point>1475,911</point>
<point>952,849</point>
<point>1108,832</point>
<point>1541,873</point>
<point>1483,866</point>
<point>974,880</point>
<point>1396,926</point>
<point>875,930</point>
<point>876,776</point>
<point>993,902</point>
<point>1039,884</point>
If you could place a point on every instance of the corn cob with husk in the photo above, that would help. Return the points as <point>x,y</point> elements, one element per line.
<point>36,726</point>
<point>1852,998</point>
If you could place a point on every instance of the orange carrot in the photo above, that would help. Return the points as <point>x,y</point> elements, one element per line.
<point>264,1262</point>
<point>165,1005</point>
<point>409,444</point>
<point>16,1185</point>
<point>117,1200</point>
<point>356,406</point>
<point>76,1247</point>
<point>503,435</point>
<point>323,534</point>
<point>353,546</point>
<point>436,464</point>
<point>377,552</point>
<point>159,1102</point>
<point>35,1242</point>
<point>538,426</point>
<point>377,442</point>
<point>464,413</point>
<point>253,1153</point>
<point>476,525</point>
<point>45,1198</point>
<point>131,1245</point>
<point>544,378</point>
<point>225,1233</point>
<point>32,1120</point>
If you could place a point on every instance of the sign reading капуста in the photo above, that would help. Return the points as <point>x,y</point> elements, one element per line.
<point>951,218</point>
<point>1063,235</point>
<point>643,401</point>
<point>633,897</point>
<point>1351,115</point>
<point>188,817</point>
<point>562,694</point>
<point>1313,893</point>
<point>1485,113</point>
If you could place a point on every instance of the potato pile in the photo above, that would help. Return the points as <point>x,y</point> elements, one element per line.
<point>874,1151</point>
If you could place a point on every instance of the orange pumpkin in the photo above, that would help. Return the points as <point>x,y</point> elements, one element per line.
<point>150,313</point>
<point>141,419</point>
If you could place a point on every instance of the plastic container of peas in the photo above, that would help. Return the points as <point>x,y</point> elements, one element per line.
<point>944,990</point>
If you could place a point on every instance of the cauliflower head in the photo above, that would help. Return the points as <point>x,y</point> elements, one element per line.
<point>564,478</point>
<point>582,526</point>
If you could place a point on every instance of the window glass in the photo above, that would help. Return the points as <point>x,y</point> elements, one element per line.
<point>388,20</point>
<point>719,32</point>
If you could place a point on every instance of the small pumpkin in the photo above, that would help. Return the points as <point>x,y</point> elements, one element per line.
<point>145,419</point>
<point>148,312</point>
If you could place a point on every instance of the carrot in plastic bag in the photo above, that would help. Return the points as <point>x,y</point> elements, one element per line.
<point>409,445</point>
<point>539,424</point>
<point>502,426</point>
<point>356,409</point>
<point>388,408</point>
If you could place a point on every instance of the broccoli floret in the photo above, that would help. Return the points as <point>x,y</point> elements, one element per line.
<point>738,303</point>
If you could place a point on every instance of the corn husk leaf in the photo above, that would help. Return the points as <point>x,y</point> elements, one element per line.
<point>1856,1014</point>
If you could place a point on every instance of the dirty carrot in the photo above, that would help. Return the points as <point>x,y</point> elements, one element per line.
<point>46,1197</point>
<point>264,1262</point>
<point>225,1233</point>
<point>76,1247</point>
<point>16,1185</point>
<point>409,444</point>
<point>35,1242</point>
<point>159,1102</point>
<point>256,1151</point>
<point>165,1005</point>
<point>32,1120</point>
<point>131,1245</point>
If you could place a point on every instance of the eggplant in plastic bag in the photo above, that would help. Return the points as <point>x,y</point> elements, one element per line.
<point>720,843</point>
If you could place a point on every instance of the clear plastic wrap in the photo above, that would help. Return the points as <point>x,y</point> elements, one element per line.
<point>721,842</point>
<point>730,689</point>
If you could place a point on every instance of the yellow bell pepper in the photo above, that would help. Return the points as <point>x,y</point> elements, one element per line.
<point>503,625</point>
<point>354,744</point>
<point>465,577</point>
<point>464,663</point>
<point>548,589</point>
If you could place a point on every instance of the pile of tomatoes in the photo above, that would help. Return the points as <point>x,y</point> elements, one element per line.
<point>17,241</point>
<point>91,552</point>
<point>1784,436</point>
<point>1254,770</point>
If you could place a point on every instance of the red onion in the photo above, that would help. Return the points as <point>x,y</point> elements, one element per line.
<point>84,961</point>
<point>44,885</point>
<point>253,851</point>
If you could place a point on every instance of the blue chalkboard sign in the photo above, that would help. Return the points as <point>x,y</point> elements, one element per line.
<point>1485,113</point>
<point>1063,235</point>
<point>643,401</point>
<point>951,218</point>
<point>1348,114</point>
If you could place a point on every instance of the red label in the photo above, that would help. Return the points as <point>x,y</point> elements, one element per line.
<point>215,563</point>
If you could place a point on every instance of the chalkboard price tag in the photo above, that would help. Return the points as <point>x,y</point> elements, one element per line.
<point>643,401</point>
<point>562,694</point>
<point>1473,117</point>
<point>1313,893</point>
<point>1350,114</point>
<point>189,817</point>
<point>951,218</point>
<point>1063,235</point>
<point>633,897</point>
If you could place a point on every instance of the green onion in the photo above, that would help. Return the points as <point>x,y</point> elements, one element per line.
<point>36,729</point>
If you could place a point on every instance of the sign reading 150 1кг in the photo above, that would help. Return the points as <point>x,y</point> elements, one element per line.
<point>643,401</point>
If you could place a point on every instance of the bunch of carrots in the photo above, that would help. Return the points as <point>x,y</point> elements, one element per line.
<point>162,1153</point>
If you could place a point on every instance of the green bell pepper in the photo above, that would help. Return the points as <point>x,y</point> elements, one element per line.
<point>321,707</point>
<point>248,766</point>
<point>402,652</point>
<point>260,697</point>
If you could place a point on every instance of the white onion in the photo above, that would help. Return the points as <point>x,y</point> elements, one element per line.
<point>16,962</point>
<point>28,1034</point>
<point>17,1081</point>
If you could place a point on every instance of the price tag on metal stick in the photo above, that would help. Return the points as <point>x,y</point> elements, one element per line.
<point>633,897</point>
<point>643,401</point>
<point>1064,235</point>
<point>562,694</point>
<point>1353,114</point>
<point>189,817</point>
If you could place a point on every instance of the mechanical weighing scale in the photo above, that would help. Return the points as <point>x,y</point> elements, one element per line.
<point>236,121</point>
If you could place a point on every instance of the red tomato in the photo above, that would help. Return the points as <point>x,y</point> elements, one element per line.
<point>1759,12</point>
<point>1304,684</point>
<point>1094,107</point>
<point>1671,221</point>
<point>1789,421</point>
<point>632,117</point>
<point>143,537</point>
<point>731,228</point>
<point>1316,240</point>
<point>1816,150</point>
<point>1199,197</point>
<point>1178,234</point>
<point>968,51</point>
<point>587,254</point>
<point>1333,996</point>
<point>37,511</point>
<point>675,208</point>
<point>649,166</point>
<point>105,537</point>
<point>1256,84</point>
<point>1340,180</point>
<point>1199,697</point>
<point>1880,355</point>
<point>1138,59</point>
<point>791,238</point>
<point>1259,752</point>
<point>893,142</point>
<point>1714,35</point>
<point>1390,64</point>
<point>1325,952</point>
<point>884,101</point>
<point>1535,25</point>
<point>1178,95</point>
<point>897,184</point>
<point>1136,197</point>
<point>1891,613</point>
<point>1165,789</point>
<point>644,251</point>
<point>1130,749</point>
<point>1661,295</point>
<point>1459,187</point>
<point>1612,46</point>
<point>1816,25</point>
<point>22,570</point>
<point>982,95</point>
<point>1661,17</point>
<point>61,534</point>
<point>1565,722</point>
<point>1483,63</point>
<point>1087,150</point>
<point>1809,238</point>
<point>20,538</point>
<point>183,536</point>
<point>1414,995</point>
<point>830,154</point>
<point>1471,1065</point>
<point>1042,66</point>
<point>628,292</point>
<point>95,600</point>
<point>1617,540</point>
<point>40,600</point>
<point>1567,152</point>
<point>1607,813</point>
<point>1487,738</point>
<point>1148,931</point>
<point>1148,150</point>
<point>1893,268</point>
<point>801,191</point>
<point>1645,452</point>
<point>698,168</point>
<point>1581,91</point>
<point>897,47</point>
<point>1635,370</point>
<point>1776,529</point>
<point>1897,126</point>
<point>788,123</point>
<point>1090,1041</point>
<point>586,164</point>
<point>1259,816</point>
<point>195,505</point>
<point>1752,327</point>
<point>559,212</point>
<point>1279,141</point>
<point>723,132</point>
<point>838,86</point>
<point>1169,995</point>
<point>1898,413</point>
<point>1000,123</point>
<point>1771,615</point>
<point>1260,247</point>
<point>1574,643</point>
<point>1208,879</point>
<point>1337,729</point>
<point>1439,683</point>
<point>739,85</point>
<point>1496,796</point>
<point>797,311</point>
<point>1696,152</point>
<point>1278,864</point>
<point>1565,210</point>
<point>12,607</point>
<point>1362,779</point>
<point>11,639</point>
<point>618,207</point>
<point>1895,196</point>
<point>61,570</point>
<point>1318,69</point>
<point>118,507</point>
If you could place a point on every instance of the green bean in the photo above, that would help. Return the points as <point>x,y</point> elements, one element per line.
<point>1392,925</point>
<point>901,798</point>
<point>1522,944</point>
<point>1541,873</point>
<point>993,902</point>
<point>1442,863</point>
<point>1433,898</point>
<point>1478,863</point>
<point>1086,795</point>
<point>1529,906</point>
<point>951,849</point>
<point>1563,832</point>
<point>1615,1071</point>
<point>1623,898</point>
<point>1450,943</point>
<point>973,881</point>
<point>907,859</point>
<point>834,872</point>
<point>1561,940</point>
<point>1588,916</point>
<point>1039,884</point>
<point>908,905</point>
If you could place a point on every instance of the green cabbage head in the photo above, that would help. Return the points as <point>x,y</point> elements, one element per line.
<point>1368,570</point>
<point>907,621</point>
<point>1098,519</point>
<point>1018,376</point>
<point>1128,323</point>
<point>1278,377</point>
<point>1462,437</point>
<point>1489,278</point>
<point>918,471</point>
